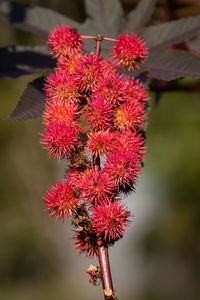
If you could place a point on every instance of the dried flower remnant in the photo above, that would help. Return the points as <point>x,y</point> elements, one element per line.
<point>95,274</point>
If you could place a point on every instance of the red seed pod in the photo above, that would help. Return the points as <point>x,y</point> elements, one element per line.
<point>129,51</point>
<point>64,40</point>
<point>59,140</point>
<point>60,200</point>
<point>109,220</point>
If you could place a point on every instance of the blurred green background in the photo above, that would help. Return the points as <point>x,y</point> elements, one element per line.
<point>159,258</point>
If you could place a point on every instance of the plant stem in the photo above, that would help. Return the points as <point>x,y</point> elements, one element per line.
<point>105,272</point>
<point>103,256</point>
<point>99,39</point>
<point>102,248</point>
<point>95,37</point>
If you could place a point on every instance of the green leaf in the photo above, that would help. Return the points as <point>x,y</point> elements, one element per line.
<point>169,65</point>
<point>35,19</point>
<point>171,32</point>
<point>32,103</point>
<point>140,16</point>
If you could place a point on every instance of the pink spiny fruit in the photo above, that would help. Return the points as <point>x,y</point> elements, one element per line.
<point>60,200</point>
<point>64,40</point>
<point>59,140</point>
<point>112,88</point>
<point>135,90</point>
<point>61,86</point>
<point>69,63</point>
<point>129,51</point>
<point>87,71</point>
<point>109,220</point>
<point>60,111</point>
<point>86,242</point>
<point>99,114</point>
<point>96,187</point>
<point>132,141</point>
<point>123,167</point>
<point>101,142</point>
<point>76,176</point>
<point>130,115</point>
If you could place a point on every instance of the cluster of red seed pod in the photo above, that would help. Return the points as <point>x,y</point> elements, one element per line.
<point>94,118</point>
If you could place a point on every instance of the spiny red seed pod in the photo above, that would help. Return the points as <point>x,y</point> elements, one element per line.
<point>101,142</point>
<point>61,86</point>
<point>135,90</point>
<point>59,140</point>
<point>60,111</point>
<point>129,51</point>
<point>68,63</point>
<point>64,40</point>
<point>60,200</point>
<point>87,71</point>
<point>76,176</point>
<point>110,219</point>
<point>112,88</point>
<point>123,167</point>
<point>128,140</point>
<point>108,67</point>
<point>86,242</point>
<point>130,115</point>
<point>99,114</point>
<point>96,187</point>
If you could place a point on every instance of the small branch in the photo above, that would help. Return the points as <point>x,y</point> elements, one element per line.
<point>96,37</point>
<point>99,39</point>
<point>109,40</point>
<point>105,272</point>
<point>88,37</point>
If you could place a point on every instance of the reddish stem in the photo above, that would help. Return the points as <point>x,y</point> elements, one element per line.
<point>99,39</point>
<point>103,255</point>
<point>96,37</point>
<point>103,249</point>
<point>105,272</point>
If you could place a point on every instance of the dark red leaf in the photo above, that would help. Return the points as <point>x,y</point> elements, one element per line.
<point>32,103</point>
